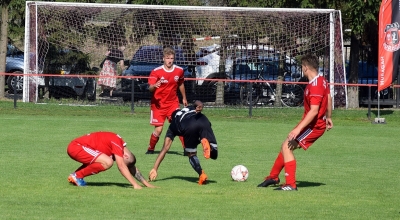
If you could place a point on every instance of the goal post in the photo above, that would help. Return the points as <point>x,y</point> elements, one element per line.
<point>92,28</point>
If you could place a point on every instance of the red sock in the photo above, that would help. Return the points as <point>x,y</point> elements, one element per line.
<point>153,141</point>
<point>277,167</point>
<point>290,173</point>
<point>81,167</point>
<point>90,169</point>
<point>183,143</point>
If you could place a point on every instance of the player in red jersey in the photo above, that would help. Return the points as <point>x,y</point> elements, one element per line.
<point>316,119</point>
<point>97,152</point>
<point>164,82</point>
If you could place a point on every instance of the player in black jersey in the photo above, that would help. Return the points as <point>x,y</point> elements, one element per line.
<point>195,128</point>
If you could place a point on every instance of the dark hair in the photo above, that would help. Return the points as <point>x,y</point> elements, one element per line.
<point>310,61</point>
<point>197,103</point>
<point>134,159</point>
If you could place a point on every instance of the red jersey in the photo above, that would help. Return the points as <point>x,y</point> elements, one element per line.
<point>170,81</point>
<point>107,143</point>
<point>316,93</point>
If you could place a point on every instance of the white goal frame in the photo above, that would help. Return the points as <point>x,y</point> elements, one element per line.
<point>32,69</point>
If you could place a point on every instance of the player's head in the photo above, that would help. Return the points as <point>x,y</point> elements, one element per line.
<point>168,51</point>
<point>309,61</point>
<point>129,158</point>
<point>198,105</point>
<point>168,56</point>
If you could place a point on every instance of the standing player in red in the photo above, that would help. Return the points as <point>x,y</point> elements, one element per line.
<point>316,119</point>
<point>97,152</point>
<point>164,82</point>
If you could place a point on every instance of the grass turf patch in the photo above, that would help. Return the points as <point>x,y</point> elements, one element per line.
<point>349,173</point>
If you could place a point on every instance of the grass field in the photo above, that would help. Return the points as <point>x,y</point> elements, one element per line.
<point>352,172</point>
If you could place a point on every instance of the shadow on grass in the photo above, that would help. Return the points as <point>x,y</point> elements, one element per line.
<point>170,152</point>
<point>189,179</point>
<point>382,112</point>
<point>108,184</point>
<point>308,184</point>
<point>176,153</point>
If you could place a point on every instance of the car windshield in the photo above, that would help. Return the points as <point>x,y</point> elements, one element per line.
<point>13,50</point>
<point>154,54</point>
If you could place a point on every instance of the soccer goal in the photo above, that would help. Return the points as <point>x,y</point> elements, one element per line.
<point>212,40</point>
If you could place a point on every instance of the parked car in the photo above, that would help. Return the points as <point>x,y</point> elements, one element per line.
<point>262,69</point>
<point>209,59</point>
<point>14,64</point>
<point>143,62</point>
<point>68,62</point>
<point>57,62</point>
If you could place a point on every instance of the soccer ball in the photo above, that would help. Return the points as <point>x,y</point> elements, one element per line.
<point>239,173</point>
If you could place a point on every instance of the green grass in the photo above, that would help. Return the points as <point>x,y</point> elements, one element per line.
<point>352,172</point>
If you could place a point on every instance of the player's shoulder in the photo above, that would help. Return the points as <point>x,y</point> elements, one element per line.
<point>318,81</point>
<point>158,68</point>
<point>178,67</point>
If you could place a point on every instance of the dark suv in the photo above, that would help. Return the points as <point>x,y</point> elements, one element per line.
<point>143,62</point>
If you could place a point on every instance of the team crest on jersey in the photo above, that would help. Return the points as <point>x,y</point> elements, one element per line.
<point>306,92</point>
<point>392,42</point>
<point>176,78</point>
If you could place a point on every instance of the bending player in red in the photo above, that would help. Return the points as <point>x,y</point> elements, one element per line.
<point>163,83</point>
<point>316,119</point>
<point>97,152</point>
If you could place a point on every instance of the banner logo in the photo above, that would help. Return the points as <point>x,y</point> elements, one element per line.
<point>392,41</point>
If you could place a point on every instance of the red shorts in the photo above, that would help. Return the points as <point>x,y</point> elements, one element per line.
<point>81,153</point>
<point>308,136</point>
<point>158,115</point>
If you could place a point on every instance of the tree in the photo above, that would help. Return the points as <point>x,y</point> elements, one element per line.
<point>362,16</point>
<point>3,43</point>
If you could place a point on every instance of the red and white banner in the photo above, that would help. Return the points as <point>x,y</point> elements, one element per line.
<point>389,43</point>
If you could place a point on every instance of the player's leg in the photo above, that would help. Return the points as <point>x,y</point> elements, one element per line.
<point>194,161</point>
<point>304,140</point>
<point>101,163</point>
<point>273,177</point>
<point>287,149</point>
<point>157,118</point>
<point>85,156</point>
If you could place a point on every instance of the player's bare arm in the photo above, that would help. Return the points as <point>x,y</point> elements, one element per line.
<point>153,87</point>
<point>138,175</point>
<point>160,158</point>
<point>125,171</point>
<point>183,92</point>
<point>329,123</point>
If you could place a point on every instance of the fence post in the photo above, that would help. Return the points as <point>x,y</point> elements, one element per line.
<point>132,96</point>
<point>250,93</point>
<point>369,102</point>
<point>15,95</point>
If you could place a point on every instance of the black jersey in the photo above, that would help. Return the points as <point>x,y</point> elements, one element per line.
<point>191,126</point>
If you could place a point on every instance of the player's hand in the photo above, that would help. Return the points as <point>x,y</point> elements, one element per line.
<point>157,84</point>
<point>293,134</point>
<point>150,186</point>
<point>137,186</point>
<point>185,103</point>
<point>152,175</point>
<point>329,124</point>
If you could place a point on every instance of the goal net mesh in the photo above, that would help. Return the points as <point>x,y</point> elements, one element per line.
<point>210,40</point>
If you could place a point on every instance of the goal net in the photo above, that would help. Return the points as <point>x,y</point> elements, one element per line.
<point>211,44</point>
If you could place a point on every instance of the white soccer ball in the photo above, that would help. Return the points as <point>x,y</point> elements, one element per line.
<point>239,173</point>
